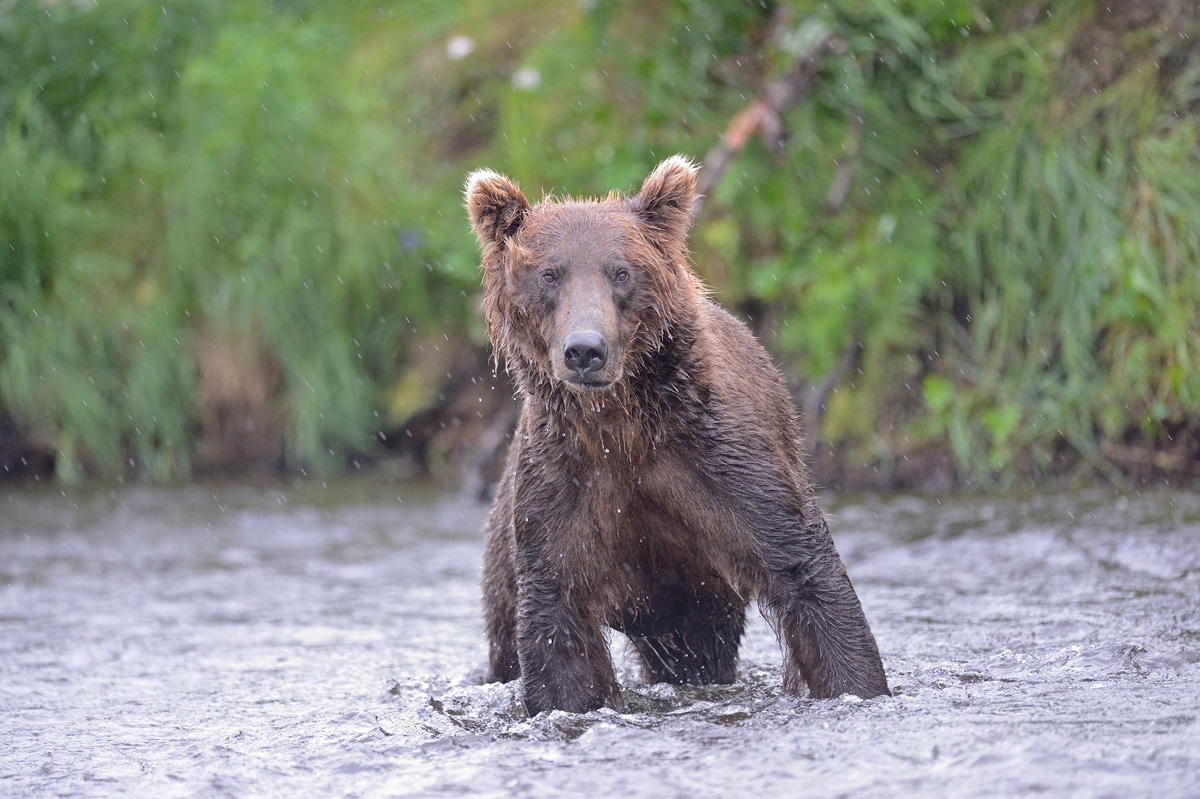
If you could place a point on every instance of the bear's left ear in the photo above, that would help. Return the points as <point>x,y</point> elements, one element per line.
<point>668,197</point>
<point>495,205</point>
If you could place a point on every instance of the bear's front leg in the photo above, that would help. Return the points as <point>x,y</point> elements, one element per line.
<point>500,588</point>
<point>760,510</point>
<point>565,660</point>
<point>564,657</point>
<point>803,585</point>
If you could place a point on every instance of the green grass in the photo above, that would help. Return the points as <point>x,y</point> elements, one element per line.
<point>1014,260</point>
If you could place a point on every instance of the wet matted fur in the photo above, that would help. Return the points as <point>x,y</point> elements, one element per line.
<point>655,483</point>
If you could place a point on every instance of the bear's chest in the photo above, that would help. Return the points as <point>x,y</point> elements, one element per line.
<point>643,512</point>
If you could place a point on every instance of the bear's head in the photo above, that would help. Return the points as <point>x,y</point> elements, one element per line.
<point>585,292</point>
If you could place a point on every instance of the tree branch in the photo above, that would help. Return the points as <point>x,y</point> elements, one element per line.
<point>765,113</point>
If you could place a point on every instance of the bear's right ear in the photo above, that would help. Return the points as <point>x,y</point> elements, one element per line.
<point>495,206</point>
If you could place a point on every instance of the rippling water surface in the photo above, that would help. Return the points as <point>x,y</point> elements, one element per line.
<point>326,641</point>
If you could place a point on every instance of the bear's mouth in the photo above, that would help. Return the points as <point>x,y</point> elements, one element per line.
<point>589,383</point>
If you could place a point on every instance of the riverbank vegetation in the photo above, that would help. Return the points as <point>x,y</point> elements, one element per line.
<point>232,234</point>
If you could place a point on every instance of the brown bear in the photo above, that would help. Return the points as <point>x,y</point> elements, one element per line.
<point>655,483</point>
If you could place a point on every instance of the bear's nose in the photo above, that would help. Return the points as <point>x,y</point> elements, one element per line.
<point>585,353</point>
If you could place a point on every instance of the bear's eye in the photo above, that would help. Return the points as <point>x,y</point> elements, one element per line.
<point>550,277</point>
<point>621,275</point>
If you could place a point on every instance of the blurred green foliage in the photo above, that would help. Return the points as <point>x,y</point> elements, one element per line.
<point>1013,256</point>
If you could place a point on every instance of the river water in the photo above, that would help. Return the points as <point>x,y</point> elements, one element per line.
<point>313,640</point>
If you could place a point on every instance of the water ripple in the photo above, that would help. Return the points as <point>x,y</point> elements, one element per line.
<point>302,641</point>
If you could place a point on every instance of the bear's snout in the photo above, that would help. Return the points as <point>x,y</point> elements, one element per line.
<point>585,354</point>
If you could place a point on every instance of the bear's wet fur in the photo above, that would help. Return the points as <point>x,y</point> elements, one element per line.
<point>655,483</point>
